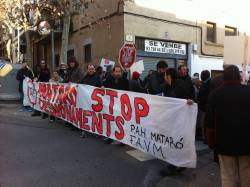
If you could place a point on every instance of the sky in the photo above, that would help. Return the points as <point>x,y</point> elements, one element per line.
<point>223,12</point>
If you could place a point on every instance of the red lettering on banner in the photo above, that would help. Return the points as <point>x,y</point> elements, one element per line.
<point>61,91</point>
<point>94,96</point>
<point>97,123</point>
<point>119,123</point>
<point>73,115</point>
<point>79,113</point>
<point>49,92</point>
<point>55,90</point>
<point>65,95</point>
<point>42,89</point>
<point>72,96</point>
<point>125,104</point>
<point>140,112</point>
<point>85,126</point>
<point>108,118</point>
<point>112,94</point>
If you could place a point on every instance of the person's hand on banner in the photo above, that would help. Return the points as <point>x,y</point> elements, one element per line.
<point>35,79</point>
<point>190,102</point>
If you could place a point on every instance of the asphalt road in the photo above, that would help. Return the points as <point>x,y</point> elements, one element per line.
<point>34,152</point>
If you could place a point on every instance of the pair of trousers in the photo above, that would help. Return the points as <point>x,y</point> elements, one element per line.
<point>235,171</point>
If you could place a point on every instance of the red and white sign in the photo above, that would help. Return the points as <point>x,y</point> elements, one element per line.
<point>161,126</point>
<point>127,55</point>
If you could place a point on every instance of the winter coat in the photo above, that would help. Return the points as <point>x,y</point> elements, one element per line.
<point>92,80</point>
<point>120,84</point>
<point>74,75</point>
<point>178,89</point>
<point>204,91</point>
<point>135,85</point>
<point>156,83</point>
<point>21,74</point>
<point>44,75</point>
<point>228,121</point>
<point>189,86</point>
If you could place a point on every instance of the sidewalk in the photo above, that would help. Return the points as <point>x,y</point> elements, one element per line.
<point>205,175</point>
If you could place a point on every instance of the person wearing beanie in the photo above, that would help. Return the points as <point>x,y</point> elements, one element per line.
<point>135,85</point>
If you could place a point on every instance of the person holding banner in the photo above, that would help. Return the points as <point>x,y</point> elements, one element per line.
<point>176,89</point>
<point>91,78</point>
<point>184,76</point>
<point>25,71</point>
<point>227,128</point>
<point>75,74</point>
<point>43,75</point>
<point>156,83</point>
<point>55,79</point>
<point>117,80</point>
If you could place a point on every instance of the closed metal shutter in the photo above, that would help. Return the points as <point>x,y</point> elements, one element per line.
<point>150,64</point>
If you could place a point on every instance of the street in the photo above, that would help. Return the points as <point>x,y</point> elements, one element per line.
<point>34,152</point>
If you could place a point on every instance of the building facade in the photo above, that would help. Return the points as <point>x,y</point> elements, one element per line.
<point>104,27</point>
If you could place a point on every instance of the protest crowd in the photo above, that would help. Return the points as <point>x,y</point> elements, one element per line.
<point>223,122</point>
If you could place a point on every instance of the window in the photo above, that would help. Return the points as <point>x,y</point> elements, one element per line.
<point>70,53</point>
<point>140,44</point>
<point>230,31</point>
<point>211,32</point>
<point>87,52</point>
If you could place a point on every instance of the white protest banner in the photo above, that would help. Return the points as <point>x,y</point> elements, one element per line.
<point>26,83</point>
<point>160,126</point>
<point>107,64</point>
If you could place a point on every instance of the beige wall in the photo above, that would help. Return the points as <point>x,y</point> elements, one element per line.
<point>97,10</point>
<point>106,40</point>
<point>162,22</point>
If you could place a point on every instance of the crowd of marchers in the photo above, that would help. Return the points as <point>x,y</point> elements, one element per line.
<point>223,120</point>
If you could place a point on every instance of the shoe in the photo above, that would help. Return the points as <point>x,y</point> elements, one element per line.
<point>35,114</point>
<point>108,141</point>
<point>29,110</point>
<point>44,116</point>
<point>22,110</point>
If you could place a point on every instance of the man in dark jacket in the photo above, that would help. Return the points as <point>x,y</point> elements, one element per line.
<point>176,88</point>
<point>156,83</point>
<point>21,74</point>
<point>204,91</point>
<point>44,73</point>
<point>183,75</point>
<point>91,78</point>
<point>228,127</point>
<point>117,80</point>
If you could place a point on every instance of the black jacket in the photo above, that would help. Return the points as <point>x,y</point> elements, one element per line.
<point>135,85</point>
<point>92,80</point>
<point>156,83</point>
<point>121,84</point>
<point>21,74</point>
<point>229,120</point>
<point>178,89</point>
<point>204,91</point>
<point>44,75</point>
<point>189,86</point>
